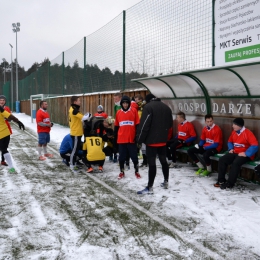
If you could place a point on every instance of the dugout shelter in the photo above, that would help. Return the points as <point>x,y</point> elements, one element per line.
<point>225,92</point>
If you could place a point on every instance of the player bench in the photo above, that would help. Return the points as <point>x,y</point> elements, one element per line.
<point>248,174</point>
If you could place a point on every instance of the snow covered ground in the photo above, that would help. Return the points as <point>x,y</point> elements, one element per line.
<point>49,212</point>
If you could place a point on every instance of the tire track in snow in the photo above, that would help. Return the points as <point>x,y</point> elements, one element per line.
<point>193,244</point>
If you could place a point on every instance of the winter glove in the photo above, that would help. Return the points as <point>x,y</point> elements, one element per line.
<point>51,124</point>
<point>87,116</point>
<point>139,146</point>
<point>1,109</point>
<point>21,125</point>
<point>197,146</point>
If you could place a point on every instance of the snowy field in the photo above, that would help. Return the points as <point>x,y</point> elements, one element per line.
<point>49,212</point>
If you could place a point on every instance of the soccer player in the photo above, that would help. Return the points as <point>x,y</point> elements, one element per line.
<point>5,133</point>
<point>76,127</point>
<point>242,146</point>
<point>93,152</point>
<point>211,142</point>
<point>186,135</point>
<point>44,125</point>
<point>125,130</point>
<point>100,112</point>
<point>66,148</point>
<point>108,137</point>
<point>6,108</point>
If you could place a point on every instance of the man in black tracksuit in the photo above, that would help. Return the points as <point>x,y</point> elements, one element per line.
<point>153,130</point>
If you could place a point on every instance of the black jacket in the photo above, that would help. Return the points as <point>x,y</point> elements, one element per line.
<point>156,120</point>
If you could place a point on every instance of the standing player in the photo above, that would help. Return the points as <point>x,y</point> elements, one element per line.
<point>211,142</point>
<point>76,127</point>
<point>125,130</point>
<point>140,102</point>
<point>5,134</point>
<point>44,125</point>
<point>153,130</point>
<point>117,107</point>
<point>6,108</point>
<point>100,112</point>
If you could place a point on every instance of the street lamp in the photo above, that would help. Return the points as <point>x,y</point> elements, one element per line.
<point>16,29</point>
<point>12,84</point>
<point>4,69</point>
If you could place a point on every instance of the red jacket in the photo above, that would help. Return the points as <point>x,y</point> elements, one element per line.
<point>245,141</point>
<point>186,131</point>
<point>42,116</point>
<point>105,115</point>
<point>127,121</point>
<point>212,136</point>
<point>6,121</point>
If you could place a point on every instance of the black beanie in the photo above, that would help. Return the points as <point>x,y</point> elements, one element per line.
<point>125,99</point>
<point>149,97</point>
<point>238,121</point>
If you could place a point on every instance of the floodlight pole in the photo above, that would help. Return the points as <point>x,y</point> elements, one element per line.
<point>4,69</point>
<point>16,28</point>
<point>16,70</point>
<point>12,83</point>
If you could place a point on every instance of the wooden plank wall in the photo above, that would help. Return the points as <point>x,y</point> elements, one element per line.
<point>58,107</point>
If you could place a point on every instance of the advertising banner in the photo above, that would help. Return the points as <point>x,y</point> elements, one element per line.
<point>237,31</point>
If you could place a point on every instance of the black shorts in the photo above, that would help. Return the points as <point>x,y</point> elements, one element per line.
<point>4,142</point>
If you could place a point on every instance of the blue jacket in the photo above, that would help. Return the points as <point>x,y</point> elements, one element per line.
<point>66,144</point>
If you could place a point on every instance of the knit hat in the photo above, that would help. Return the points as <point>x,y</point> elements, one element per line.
<point>149,97</point>
<point>125,99</point>
<point>238,121</point>
<point>100,108</point>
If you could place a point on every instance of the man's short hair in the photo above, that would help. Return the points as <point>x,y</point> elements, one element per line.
<point>118,94</point>
<point>208,116</point>
<point>181,114</point>
<point>139,96</point>
<point>41,102</point>
<point>73,99</point>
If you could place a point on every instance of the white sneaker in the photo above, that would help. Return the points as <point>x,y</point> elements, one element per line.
<point>145,191</point>
<point>172,165</point>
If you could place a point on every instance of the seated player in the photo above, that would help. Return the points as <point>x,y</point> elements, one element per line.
<point>211,142</point>
<point>186,135</point>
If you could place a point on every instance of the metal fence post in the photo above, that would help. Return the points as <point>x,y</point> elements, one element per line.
<point>63,68</point>
<point>49,77</point>
<point>85,69</point>
<point>123,51</point>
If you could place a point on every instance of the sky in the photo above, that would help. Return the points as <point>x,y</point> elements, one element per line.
<point>50,27</point>
<point>49,212</point>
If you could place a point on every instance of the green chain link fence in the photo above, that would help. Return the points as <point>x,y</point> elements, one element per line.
<point>152,38</point>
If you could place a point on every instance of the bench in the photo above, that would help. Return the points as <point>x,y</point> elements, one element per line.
<point>184,149</point>
<point>249,165</point>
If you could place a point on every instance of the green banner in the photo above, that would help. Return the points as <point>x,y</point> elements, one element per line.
<point>243,53</point>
